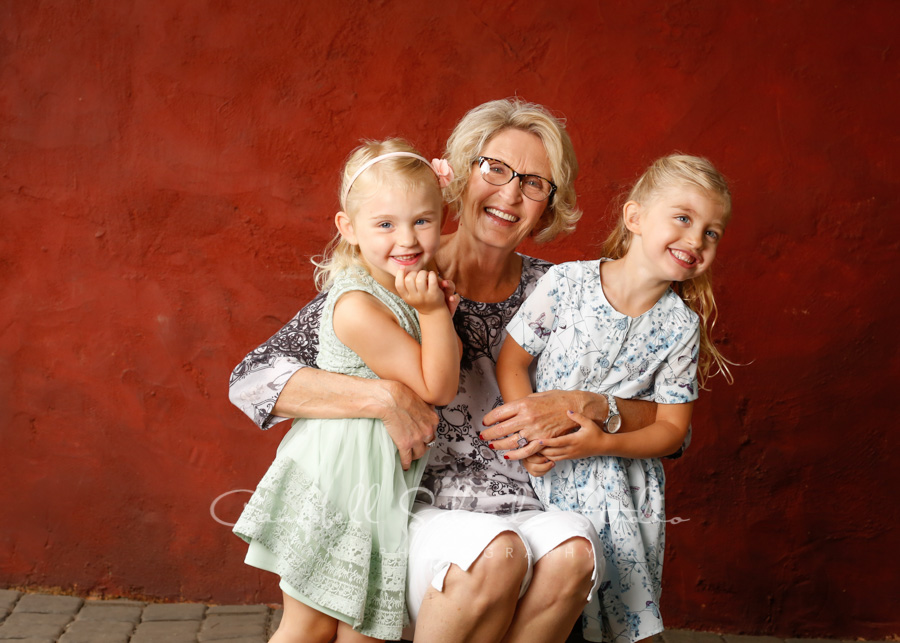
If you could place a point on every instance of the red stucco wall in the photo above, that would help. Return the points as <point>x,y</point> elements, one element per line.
<point>167,168</point>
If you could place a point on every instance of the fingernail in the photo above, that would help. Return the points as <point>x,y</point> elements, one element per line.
<point>506,457</point>
<point>570,411</point>
<point>541,442</point>
<point>490,446</point>
<point>480,437</point>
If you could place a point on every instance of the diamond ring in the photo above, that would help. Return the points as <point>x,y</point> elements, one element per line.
<point>522,442</point>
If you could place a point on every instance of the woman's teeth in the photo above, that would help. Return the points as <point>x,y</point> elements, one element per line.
<point>502,215</point>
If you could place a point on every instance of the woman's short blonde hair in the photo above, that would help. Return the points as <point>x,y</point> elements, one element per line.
<point>484,122</point>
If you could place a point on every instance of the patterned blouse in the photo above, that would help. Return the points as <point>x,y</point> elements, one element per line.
<point>462,472</point>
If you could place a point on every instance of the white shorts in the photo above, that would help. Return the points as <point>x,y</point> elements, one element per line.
<point>440,537</point>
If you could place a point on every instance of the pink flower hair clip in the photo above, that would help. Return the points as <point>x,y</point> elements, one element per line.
<point>443,170</point>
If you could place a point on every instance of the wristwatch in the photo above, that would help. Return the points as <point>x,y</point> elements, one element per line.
<point>613,420</point>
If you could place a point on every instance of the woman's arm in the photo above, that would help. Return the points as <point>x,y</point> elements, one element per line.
<point>313,393</point>
<point>545,415</point>
<point>277,381</point>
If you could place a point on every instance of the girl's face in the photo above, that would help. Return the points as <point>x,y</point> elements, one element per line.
<point>500,215</point>
<point>398,228</point>
<point>677,231</point>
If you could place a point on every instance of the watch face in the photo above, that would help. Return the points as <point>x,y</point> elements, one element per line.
<point>614,423</point>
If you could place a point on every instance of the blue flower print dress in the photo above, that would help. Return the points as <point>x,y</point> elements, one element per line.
<point>330,516</point>
<point>583,343</point>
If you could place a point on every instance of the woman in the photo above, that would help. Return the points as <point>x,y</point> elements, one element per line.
<point>486,563</point>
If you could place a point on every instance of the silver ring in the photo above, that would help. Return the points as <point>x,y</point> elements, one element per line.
<point>522,442</point>
<point>431,444</point>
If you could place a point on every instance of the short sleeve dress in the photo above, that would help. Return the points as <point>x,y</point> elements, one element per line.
<point>330,515</point>
<point>583,343</point>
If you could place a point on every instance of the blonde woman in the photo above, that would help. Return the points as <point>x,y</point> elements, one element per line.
<point>486,562</point>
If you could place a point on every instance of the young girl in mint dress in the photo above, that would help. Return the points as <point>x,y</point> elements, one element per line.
<point>330,516</point>
<point>631,325</point>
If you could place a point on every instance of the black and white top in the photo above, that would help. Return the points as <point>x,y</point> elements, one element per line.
<point>462,472</point>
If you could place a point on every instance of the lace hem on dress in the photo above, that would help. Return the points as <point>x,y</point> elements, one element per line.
<point>323,554</point>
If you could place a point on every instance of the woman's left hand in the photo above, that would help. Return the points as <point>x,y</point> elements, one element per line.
<point>536,417</point>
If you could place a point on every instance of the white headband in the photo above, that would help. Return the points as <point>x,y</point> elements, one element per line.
<point>365,166</point>
<point>440,167</point>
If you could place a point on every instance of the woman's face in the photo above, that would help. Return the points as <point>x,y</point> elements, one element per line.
<point>500,216</point>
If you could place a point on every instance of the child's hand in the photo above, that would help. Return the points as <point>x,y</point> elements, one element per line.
<point>450,295</point>
<point>585,442</point>
<point>421,290</point>
<point>537,465</point>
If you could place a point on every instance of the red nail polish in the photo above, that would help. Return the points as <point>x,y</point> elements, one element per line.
<point>490,446</point>
<point>506,457</point>
<point>480,437</point>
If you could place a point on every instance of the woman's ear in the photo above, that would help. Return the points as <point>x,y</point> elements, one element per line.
<point>631,214</point>
<point>345,227</point>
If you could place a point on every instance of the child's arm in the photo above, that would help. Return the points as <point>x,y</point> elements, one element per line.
<point>515,383</point>
<point>659,439</point>
<point>370,329</point>
<point>512,371</point>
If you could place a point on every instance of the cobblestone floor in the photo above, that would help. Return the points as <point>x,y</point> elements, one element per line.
<point>46,618</point>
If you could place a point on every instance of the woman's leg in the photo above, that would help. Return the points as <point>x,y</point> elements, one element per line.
<point>476,605</point>
<point>301,623</point>
<point>559,590</point>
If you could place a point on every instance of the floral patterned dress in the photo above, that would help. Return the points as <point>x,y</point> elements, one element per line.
<point>583,343</point>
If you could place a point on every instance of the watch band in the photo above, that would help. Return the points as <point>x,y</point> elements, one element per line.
<point>613,419</point>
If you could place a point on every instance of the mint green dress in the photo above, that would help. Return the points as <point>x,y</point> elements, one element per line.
<point>330,516</point>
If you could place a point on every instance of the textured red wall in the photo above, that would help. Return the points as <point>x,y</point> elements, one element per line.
<point>167,168</point>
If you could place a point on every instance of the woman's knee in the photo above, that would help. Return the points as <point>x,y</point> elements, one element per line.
<point>571,564</point>
<point>497,574</point>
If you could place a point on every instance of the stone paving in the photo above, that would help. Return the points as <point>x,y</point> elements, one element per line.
<point>46,618</point>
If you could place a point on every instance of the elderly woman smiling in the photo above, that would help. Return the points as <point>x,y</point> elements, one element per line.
<point>486,562</point>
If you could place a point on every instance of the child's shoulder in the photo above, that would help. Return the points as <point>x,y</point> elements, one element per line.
<point>577,270</point>
<point>676,311</point>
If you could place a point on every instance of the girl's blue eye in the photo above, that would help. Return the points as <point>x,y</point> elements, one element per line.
<point>712,234</point>
<point>384,224</point>
<point>682,217</point>
<point>422,221</point>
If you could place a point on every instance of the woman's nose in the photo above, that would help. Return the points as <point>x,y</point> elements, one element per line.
<point>511,191</point>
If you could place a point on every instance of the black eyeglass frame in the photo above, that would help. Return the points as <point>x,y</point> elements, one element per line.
<point>480,159</point>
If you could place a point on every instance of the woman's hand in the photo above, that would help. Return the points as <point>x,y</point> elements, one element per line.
<point>537,417</point>
<point>409,421</point>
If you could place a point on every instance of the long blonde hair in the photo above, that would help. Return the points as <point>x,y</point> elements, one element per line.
<point>482,123</point>
<point>698,173</point>
<point>404,171</point>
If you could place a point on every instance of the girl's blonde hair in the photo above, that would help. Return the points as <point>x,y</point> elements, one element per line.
<point>484,122</point>
<point>681,170</point>
<point>398,171</point>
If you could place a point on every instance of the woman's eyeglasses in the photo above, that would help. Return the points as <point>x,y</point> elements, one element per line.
<point>495,172</point>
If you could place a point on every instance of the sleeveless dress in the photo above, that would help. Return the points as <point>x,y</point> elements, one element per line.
<point>330,516</point>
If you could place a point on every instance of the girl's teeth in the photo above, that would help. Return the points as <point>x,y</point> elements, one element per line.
<point>683,256</point>
<point>502,215</point>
